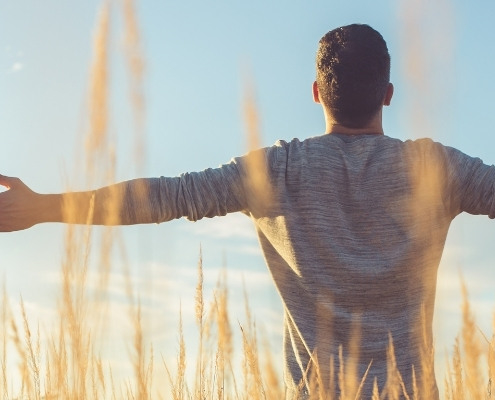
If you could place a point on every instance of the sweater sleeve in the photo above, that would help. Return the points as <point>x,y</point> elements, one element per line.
<point>472,183</point>
<point>195,195</point>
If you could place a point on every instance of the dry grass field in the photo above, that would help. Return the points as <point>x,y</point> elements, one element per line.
<point>67,365</point>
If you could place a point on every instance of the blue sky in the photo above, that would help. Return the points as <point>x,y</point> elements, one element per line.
<point>198,55</point>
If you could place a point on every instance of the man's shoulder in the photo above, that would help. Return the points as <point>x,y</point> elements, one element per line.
<point>297,143</point>
<point>325,142</point>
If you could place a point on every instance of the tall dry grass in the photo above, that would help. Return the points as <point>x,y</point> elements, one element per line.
<point>68,365</point>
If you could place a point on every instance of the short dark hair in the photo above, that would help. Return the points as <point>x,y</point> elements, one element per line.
<point>352,73</point>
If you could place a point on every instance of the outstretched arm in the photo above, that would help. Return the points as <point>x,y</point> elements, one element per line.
<point>21,208</point>
<point>195,195</point>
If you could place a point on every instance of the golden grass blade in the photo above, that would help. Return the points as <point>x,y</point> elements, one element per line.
<point>251,370</point>
<point>359,390</point>
<point>351,377</point>
<point>136,66</point>
<point>491,363</point>
<point>199,299</point>
<point>415,389</point>
<point>139,353</point>
<point>458,393</point>
<point>181,363</point>
<point>96,139</point>
<point>200,311</point>
<point>23,364</point>
<point>392,386</point>
<point>32,358</point>
<point>274,388</point>
<point>5,318</point>
<point>258,178</point>
<point>426,27</point>
<point>472,350</point>
<point>376,394</point>
<point>427,373</point>
<point>178,385</point>
<point>312,382</point>
<point>224,340</point>
<point>341,378</point>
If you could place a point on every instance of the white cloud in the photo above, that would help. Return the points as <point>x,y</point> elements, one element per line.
<point>229,226</point>
<point>163,290</point>
<point>16,67</point>
<point>14,55</point>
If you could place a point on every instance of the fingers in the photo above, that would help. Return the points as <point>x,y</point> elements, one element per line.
<point>5,181</point>
<point>8,181</point>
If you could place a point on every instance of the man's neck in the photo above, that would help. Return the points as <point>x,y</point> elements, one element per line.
<point>374,127</point>
<point>354,131</point>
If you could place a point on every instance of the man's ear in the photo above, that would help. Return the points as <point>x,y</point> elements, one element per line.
<point>388,95</point>
<point>316,93</point>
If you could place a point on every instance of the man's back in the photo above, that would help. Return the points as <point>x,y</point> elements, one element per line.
<point>353,243</point>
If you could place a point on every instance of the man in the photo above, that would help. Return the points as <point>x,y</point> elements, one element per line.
<point>352,228</point>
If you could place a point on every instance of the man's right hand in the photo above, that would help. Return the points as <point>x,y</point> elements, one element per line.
<point>20,207</point>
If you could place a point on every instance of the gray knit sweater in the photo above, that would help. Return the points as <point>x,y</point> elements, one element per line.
<point>352,236</point>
